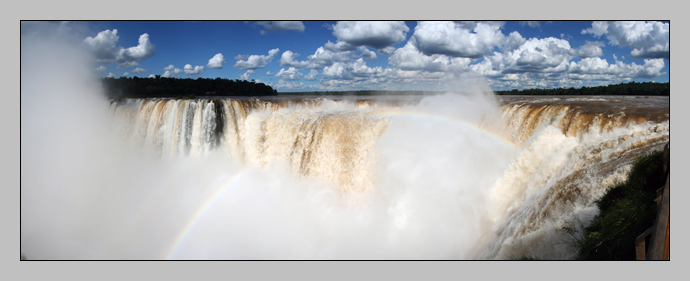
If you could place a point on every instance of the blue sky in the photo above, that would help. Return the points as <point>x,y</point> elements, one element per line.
<point>342,56</point>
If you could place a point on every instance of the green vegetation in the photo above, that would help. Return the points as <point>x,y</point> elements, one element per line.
<point>161,87</point>
<point>360,93</point>
<point>626,211</point>
<point>625,89</point>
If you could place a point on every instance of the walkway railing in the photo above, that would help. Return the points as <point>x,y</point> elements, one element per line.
<point>653,244</point>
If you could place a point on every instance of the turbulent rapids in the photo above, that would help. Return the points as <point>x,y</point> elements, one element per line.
<point>448,176</point>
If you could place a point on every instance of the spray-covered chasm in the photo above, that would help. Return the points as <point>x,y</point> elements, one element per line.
<point>553,157</point>
<point>452,176</point>
<point>520,173</point>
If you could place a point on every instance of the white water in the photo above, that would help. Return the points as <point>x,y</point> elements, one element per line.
<point>425,181</point>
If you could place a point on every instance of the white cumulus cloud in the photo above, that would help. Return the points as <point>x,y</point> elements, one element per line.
<point>193,71</point>
<point>216,62</point>
<point>324,57</point>
<point>410,58</point>
<point>311,76</point>
<point>288,59</point>
<point>339,46</point>
<point>387,50</point>
<point>458,39</point>
<point>513,41</point>
<point>376,34</point>
<point>600,69</point>
<point>357,71</point>
<point>105,49</point>
<point>131,56</point>
<point>647,39</point>
<point>366,53</point>
<point>289,74</point>
<point>171,71</point>
<point>104,46</point>
<point>359,68</point>
<point>277,26</point>
<point>539,55</point>
<point>246,75</point>
<point>257,61</point>
<point>590,50</point>
<point>337,71</point>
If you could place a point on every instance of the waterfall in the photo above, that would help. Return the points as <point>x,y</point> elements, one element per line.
<point>453,176</point>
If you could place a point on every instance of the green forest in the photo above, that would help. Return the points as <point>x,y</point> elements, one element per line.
<point>625,89</point>
<point>162,87</point>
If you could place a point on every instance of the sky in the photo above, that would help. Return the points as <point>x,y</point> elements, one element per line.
<point>296,56</point>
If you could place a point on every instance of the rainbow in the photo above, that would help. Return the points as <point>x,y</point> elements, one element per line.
<point>440,118</point>
<point>202,209</point>
<point>380,114</point>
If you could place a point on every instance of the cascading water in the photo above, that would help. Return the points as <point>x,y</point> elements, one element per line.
<point>453,176</point>
<point>486,181</point>
<point>573,150</point>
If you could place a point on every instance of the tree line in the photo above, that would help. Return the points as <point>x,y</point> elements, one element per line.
<point>361,93</point>
<point>164,87</point>
<point>624,89</point>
